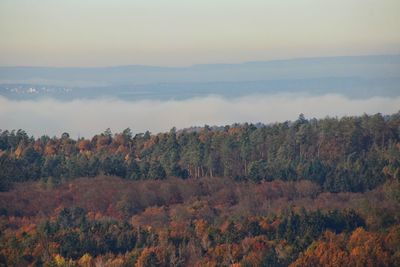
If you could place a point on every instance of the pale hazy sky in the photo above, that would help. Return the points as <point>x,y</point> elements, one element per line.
<point>185,32</point>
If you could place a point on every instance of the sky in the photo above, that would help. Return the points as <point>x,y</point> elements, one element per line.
<point>85,118</point>
<point>186,32</point>
<point>88,33</point>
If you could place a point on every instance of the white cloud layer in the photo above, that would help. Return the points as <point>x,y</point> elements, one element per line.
<point>89,117</point>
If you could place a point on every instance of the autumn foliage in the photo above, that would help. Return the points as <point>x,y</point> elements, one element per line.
<point>303,193</point>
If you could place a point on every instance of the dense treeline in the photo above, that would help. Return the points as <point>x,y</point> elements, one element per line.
<point>72,236</point>
<point>212,198</point>
<point>108,221</point>
<point>348,154</point>
<point>304,193</point>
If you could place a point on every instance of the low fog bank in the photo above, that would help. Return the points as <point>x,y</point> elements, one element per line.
<point>88,117</point>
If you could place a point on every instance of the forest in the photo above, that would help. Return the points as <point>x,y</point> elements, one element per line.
<point>309,192</point>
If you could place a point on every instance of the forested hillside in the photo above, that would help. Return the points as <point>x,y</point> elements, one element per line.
<point>348,154</point>
<point>304,193</point>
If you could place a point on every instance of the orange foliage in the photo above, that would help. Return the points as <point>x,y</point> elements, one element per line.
<point>38,146</point>
<point>148,257</point>
<point>361,249</point>
<point>200,227</point>
<point>18,151</point>
<point>86,261</point>
<point>84,145</point>
<point>50,150</point>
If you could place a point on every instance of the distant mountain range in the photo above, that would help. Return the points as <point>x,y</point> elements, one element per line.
<point>355,77</point>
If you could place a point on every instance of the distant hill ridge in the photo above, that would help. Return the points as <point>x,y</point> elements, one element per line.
<point>354,76</point>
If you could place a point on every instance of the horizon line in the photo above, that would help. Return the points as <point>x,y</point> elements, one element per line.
<point>203,64</point>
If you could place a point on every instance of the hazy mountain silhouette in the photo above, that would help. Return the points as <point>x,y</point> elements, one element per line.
<point>355,76</point>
